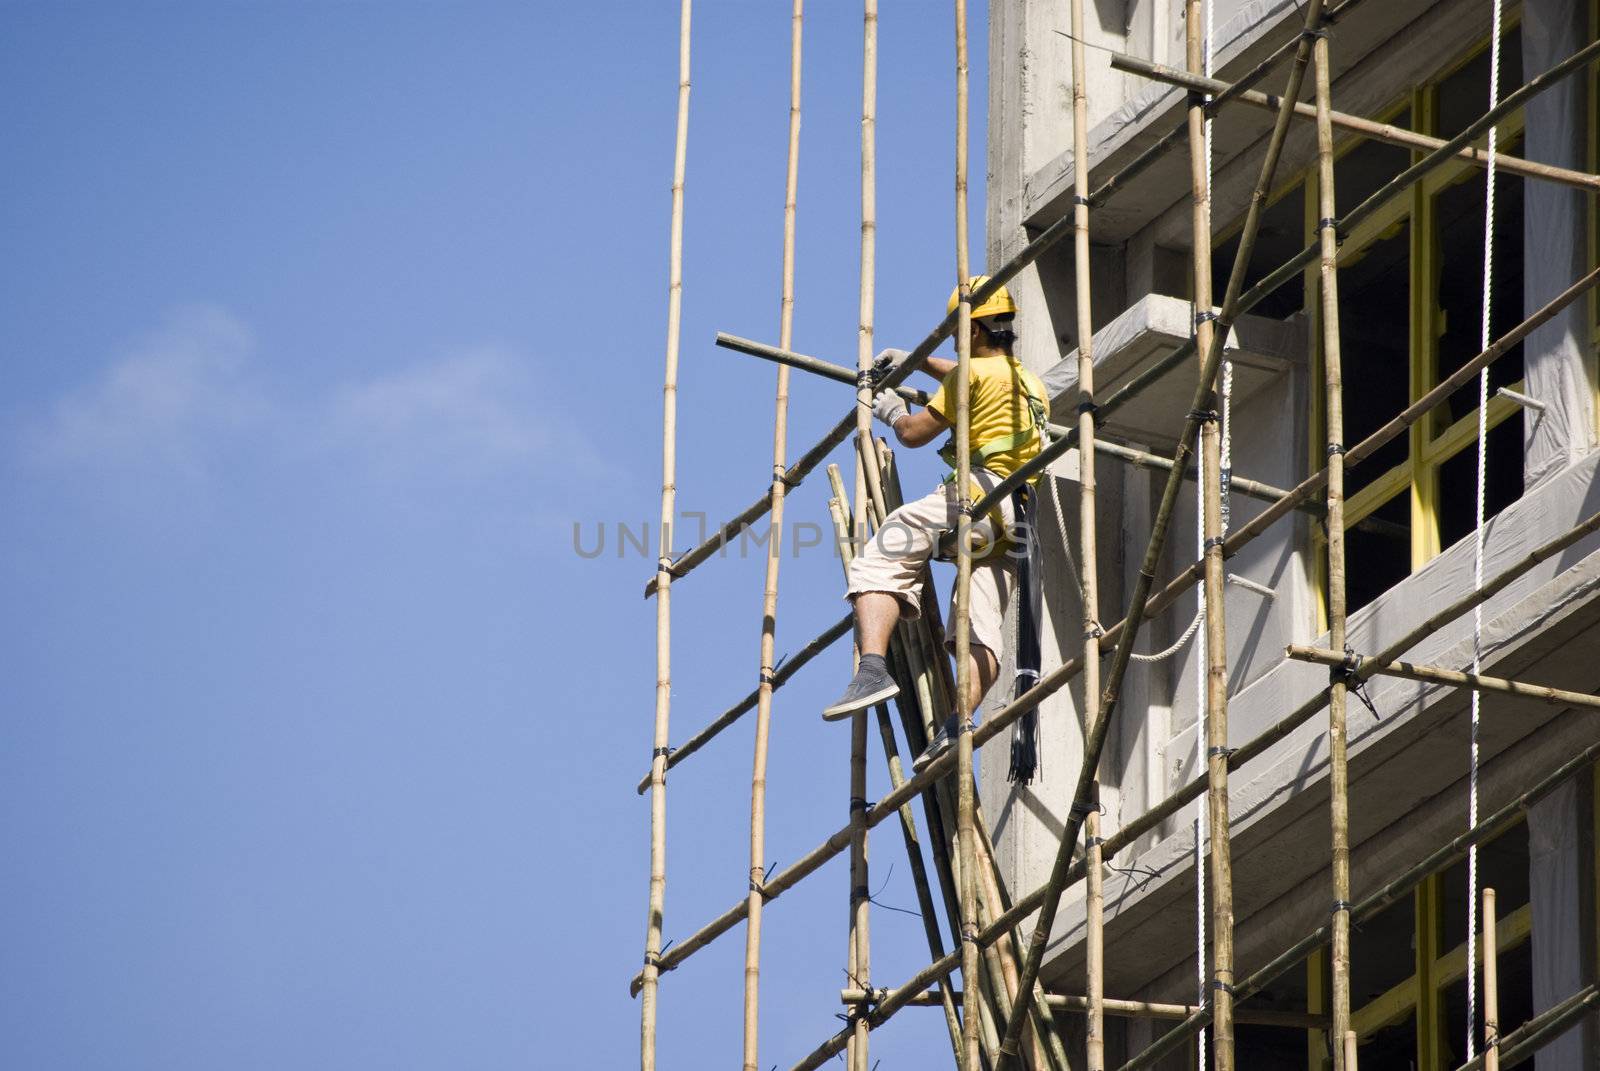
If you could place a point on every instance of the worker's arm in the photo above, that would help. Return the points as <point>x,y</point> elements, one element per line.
<point>920,428</point>
<point>938,367</point>
<point>912,429</point>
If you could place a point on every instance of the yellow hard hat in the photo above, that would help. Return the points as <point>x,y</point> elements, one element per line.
<point>998,303</point>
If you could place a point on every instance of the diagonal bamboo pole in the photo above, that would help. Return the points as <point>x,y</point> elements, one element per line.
<point>786,668</point>
<point>1089,582</point>
<point>1081,805</point>
<point>1216,645</point>
<point>1542,1029</point>
<point>1333,410</point>
<point>669,475</point>
<point>1477,682</point>
<point>1384,132</point>
<point>769,600</point>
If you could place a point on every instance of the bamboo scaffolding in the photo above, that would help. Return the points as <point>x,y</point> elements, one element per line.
<point>1220,860</point>
<point>1333,414</point>
<point>669,475</point>
<point>908,824</point>
<point>1366,128</point>
<point>1095,740</point>
<point>1350,1050</point>
<point>1046,240</point>
<point>1363,211</point>
<point>769,599</point>
<point>1491,987</point>
<point>860,951</point>
<point>1256,489</point>
<point>1088,552</point>
<point>1542,1029</point>
<point>786,668</point>
<point>1478,682</point>
<point>920,642</point>
<point>1373,904</point>
<point>1127,1009</point>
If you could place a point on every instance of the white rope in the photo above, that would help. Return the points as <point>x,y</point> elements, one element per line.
<point>1477,543</point>
<point>1201,989</point>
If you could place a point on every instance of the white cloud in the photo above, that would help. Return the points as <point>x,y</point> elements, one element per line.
<point>169,403</point>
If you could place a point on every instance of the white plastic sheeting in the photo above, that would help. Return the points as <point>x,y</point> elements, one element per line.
<point>1555,881</point>
<point>1555,236</point>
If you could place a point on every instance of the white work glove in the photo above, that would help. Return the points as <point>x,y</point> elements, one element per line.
<point>885,362</point>
<point>889,407</point>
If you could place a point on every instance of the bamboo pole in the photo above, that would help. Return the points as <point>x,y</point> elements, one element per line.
<point>1216,647</point>
<point>1137,603</point>
<point>669,475</point>
<point>786,668</point>
<point>1366,128</point>
<point>1350,1050</point>
<point>1338,767</point>
<point>1089,581</point>
<point>1543,1028</point>
<point>866,481</point>
<point>1127,1009</point>
<point>1002,719</point>
<point>1478,682</point>
<point>1375,903</point>
<point>1491,987</point>
<point>966,798</point>
<point>769,600</point>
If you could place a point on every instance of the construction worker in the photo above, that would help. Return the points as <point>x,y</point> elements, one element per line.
<point>1007,406</point>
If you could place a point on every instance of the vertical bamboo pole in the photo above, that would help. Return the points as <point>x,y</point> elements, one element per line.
<point>1216,646</point>
<point>967,798</point>
<point>1094,943</point>
<point>1350,1050</point>
<point>669,494</point>
<point>866,481</point>
<point>1491,987</point>
<point>769,600</point>
<point>1338,772</point>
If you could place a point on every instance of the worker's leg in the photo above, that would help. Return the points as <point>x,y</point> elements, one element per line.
<point>885,581</point>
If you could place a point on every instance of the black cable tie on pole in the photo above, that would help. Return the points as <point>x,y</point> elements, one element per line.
<point>1082,810</point>
<point>664,563</point>
<point>1079,199</point>
<point>1208,315</point>
<point>1329,223</point>
<point>1341,905</point>
<point>662,753</point>
<point>859,893</point>
<point>1213,542</point>
<point>865,379</point>
<point>1225,752</point>
<point>1096,630</point>
<point>1348,673</point>
<point>857,803</point>
<point>1087,405</point>
<point>769,871</point>
<point>1312,35</point>
<point>969,935</point>
<point>1335,448</point>
<point>768,674</point>
<point>1220,985</point>
<point>1091,843</point>
<point>1204,416</point>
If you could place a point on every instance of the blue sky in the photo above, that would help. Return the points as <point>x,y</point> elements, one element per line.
<point>324,325</point>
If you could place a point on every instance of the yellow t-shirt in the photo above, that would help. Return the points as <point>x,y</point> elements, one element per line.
<point>999,408</point>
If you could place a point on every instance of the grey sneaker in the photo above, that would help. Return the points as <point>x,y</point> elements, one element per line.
<point>871,684</point>
<point>942,741</point>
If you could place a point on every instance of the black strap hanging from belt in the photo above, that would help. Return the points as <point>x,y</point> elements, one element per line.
<point>1025,731</point>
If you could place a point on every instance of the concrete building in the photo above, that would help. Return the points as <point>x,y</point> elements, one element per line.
<point>1411,288</point>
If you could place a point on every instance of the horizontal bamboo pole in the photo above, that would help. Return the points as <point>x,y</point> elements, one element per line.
<point>786,669</point>
<point>1384,132</point>
<point>1439,675</point>
<point>1046,240</point>
<point>1126,1009</point>
<point>1542,1029</point>
<point>1376,902</point>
